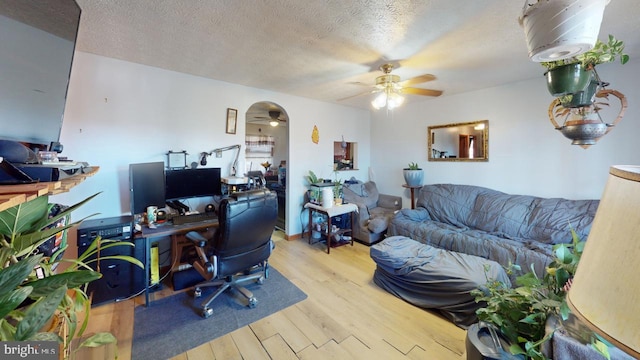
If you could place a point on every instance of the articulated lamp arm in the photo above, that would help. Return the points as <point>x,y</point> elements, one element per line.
<point>218,152</point>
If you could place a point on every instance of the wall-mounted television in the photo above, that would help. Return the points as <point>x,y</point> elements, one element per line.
<point>38,41</point>
<point>190,183</point>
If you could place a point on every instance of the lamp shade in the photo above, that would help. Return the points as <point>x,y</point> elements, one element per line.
<point>605,293</point>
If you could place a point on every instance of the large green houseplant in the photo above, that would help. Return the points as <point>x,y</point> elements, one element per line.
<point>521,312</point>
<point>36,302</point>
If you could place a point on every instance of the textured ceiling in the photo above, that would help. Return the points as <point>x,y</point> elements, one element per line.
<point>324,49</point>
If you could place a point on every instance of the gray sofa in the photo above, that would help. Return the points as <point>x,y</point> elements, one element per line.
<point>375,210</point>
<point>483,222</point>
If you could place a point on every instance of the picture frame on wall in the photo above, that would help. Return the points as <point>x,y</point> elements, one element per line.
<point>232,120</point>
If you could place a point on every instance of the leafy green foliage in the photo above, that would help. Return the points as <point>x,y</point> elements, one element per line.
<point>521,312</point>
<point>31,293</point>
<point>600,54</point>
<point>312,178</point>
<point>413,166</point>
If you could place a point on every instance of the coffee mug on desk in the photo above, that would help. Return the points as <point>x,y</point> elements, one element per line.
<point>151,214</point>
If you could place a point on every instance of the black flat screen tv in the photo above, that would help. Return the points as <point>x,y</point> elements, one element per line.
<point>190,183</point>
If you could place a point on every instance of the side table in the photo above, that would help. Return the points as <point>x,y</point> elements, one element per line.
<point>331,212</point>
<point>412,188</point>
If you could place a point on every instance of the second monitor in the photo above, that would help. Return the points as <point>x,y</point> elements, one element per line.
<point>189,183</point>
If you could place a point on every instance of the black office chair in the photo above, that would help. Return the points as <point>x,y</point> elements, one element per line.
<point>239,251</point>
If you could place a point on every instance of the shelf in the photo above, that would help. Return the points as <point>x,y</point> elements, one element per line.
<point>12,195</point>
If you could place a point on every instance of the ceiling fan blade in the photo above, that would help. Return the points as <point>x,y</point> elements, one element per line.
<point>356,95</point>
<point>359,83</point>
<point>418,91</point>
<point>418,80</point>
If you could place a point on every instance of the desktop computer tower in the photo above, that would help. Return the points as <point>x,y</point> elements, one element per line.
<point>120,279</point>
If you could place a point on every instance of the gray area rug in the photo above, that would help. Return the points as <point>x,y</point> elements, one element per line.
<point>173,325</point>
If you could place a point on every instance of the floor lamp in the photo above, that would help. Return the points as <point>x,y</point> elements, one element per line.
<point>605,293</point>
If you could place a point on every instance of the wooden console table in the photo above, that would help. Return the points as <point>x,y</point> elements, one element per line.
<point>12,195</point>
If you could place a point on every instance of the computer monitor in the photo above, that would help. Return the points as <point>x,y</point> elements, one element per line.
<point>146,186</point>
<point>189,183</point>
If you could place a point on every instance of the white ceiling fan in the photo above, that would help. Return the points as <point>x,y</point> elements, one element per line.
<point>274,118</point>
<point>390,88</point>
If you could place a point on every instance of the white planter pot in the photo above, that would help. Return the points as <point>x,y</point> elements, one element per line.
<point>413,177</point>
<point>559,29</point>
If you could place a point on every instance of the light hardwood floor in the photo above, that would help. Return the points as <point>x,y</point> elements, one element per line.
<point>345,316</point>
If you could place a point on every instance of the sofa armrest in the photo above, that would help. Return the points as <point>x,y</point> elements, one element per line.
<point>418,214</point>
<point>390,201</point>
<point>363,212</point>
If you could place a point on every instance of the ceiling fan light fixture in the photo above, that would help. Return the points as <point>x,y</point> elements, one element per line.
<point>394,100</point>
<point>380,101</point>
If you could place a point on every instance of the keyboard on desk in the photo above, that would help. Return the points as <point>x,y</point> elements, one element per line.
<point>193,218</point>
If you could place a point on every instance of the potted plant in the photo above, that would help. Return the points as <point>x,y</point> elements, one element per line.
<point>521,312</point>
<point>413,175</point>
<point>337,192</point>
<point>572,75</point>
<point>36,302</point>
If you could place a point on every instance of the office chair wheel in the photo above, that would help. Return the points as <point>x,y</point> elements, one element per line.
<point>197,292</point>
<point>260,280</point>
<point>207,312</point>
<point>252,302</point>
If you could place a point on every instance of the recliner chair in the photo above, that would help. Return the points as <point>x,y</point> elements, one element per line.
<point>239,251</point>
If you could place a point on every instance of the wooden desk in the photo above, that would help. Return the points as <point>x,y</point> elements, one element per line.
<point>329,213</point>
<point>412,188</point>
<point>174,231</point>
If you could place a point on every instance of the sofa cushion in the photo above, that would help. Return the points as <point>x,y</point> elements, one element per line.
<point>378,225</point>
<point>362,193</point>
<point>448,203</point>
<point>551,220</point>
<point>502,214</point>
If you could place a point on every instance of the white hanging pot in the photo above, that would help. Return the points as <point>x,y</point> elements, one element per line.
<point>560,29</point>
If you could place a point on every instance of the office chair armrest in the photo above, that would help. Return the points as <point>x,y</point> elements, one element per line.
<point>197,239</point>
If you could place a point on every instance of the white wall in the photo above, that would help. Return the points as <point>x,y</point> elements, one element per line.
<point>526,154</point>
<point>119,113</point>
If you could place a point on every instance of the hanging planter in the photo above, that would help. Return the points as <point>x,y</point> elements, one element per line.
<point>568,79</point>
<point>584,125</point>
<point>584,97</point>
<point>559,29</point>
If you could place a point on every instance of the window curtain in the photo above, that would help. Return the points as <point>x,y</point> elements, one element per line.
<point>259,146</point>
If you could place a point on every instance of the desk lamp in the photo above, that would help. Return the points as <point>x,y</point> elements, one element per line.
<point>605,293</point>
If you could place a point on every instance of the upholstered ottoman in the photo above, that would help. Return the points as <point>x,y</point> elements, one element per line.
<point>433,278</point>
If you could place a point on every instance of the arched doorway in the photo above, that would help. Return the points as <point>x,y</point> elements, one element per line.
<point>267,140</point>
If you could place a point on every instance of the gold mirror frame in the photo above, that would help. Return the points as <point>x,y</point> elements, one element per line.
<point>468,130</point>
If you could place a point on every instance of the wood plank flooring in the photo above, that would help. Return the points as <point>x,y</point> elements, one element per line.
<point>346,316</point>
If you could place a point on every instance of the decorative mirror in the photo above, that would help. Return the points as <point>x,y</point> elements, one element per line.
<point>459,142</point>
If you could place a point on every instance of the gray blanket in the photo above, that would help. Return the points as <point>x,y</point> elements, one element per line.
<point>433,278</point>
